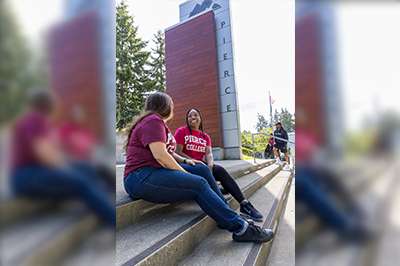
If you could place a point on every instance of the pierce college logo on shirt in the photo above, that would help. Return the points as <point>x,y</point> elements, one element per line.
<point>171,143</point>
<point>191,141</point>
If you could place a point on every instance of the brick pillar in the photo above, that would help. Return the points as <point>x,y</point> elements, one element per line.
<point>192,74</point>
<point>309,76</point>
<point>74,69</point>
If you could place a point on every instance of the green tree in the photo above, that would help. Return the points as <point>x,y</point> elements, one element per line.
<point>260,141</point>
<point>286,118</point>
<point>158,62</point>
<point>132,68</point>
<point>262,123</point>
<point>20,71</point>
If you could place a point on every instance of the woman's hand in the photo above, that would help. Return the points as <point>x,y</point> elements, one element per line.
<point>193,162</point>
<point>198,161</point>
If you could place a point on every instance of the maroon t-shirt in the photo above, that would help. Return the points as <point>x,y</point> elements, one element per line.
<point>31,127</point>
<point>194,144</point>
<point>151,129</point>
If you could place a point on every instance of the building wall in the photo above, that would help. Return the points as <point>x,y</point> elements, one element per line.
<point>192,74</point>
<point>74,69</point>
<point>309,76</point>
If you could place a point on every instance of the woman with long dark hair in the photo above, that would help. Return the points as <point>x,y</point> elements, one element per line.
<point>193,143</point>
<point>154,173</point>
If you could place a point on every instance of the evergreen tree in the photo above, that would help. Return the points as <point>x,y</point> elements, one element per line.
<point>132,69</point>
<point>158,62</point>
<point>262,123</point>
<point>286,119</point>
<point>17,74</point>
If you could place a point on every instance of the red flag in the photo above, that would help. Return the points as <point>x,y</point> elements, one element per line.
<point>272,100</point>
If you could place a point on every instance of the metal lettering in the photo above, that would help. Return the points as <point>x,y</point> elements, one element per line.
<point>227,90</point>
<point>222,24</point>
<point>229,108</point>
<point>225,56</point>
<point>226,73</point>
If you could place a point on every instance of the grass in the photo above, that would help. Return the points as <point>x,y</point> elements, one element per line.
<point>246,157</point>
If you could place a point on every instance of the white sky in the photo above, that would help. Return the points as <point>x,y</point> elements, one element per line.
<point>369,58</point>
<point>264,43</point>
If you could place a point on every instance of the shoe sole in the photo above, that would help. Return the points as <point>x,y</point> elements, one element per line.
<point>249,217</point>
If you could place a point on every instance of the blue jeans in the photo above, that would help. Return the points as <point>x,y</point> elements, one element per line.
<point>308,190</point>
<point>79,181</point>
<point>160,185</point>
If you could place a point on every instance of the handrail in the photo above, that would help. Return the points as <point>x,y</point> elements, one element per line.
<point>252,137</point>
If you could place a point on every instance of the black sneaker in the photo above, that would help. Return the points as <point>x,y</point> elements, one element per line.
<point>255,234</point>
<point>223,191</point>
<point>247,210</point>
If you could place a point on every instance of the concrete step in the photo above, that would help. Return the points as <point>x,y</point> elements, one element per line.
<point>326,247</point>
<point>219,248</point>
<point>131,211</point>
<point>168,237</point>
<point>97,249</point>
<point>44,239</point>
<point>283,249</point>
<point>16,209</point>
<point>356,179</point>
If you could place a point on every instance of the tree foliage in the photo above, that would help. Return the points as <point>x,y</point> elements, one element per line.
<point>20,68</point>
<point>262,123</point>
<point>133,73</point>
<point>158,62</point>
<point>260,141</point>
<point>284,117</point>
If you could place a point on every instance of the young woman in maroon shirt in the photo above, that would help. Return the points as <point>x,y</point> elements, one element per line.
<point>193,143</point>
<point>154,173</point>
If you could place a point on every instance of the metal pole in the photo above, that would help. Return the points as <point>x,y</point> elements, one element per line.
<point>254,154</point>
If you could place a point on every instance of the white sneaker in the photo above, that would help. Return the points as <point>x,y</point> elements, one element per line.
<point>278,162</point>
<point>287,167</point>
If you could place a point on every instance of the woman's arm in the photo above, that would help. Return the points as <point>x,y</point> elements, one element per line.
<point>179,152</point>
<point>47,152</point>
<point>159,151</point>
<point>209,158</point>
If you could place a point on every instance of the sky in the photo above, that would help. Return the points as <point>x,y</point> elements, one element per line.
<point>369,56</point>
<point>264,44</point>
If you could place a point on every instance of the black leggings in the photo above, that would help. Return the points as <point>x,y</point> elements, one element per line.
<point>227,181</point>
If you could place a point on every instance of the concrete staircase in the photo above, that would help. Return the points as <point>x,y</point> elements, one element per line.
<point>42,233</point>
<point>374,184</point>
<point>181,233</point>
<point>38,232</point>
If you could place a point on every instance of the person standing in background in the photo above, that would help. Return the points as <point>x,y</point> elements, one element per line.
<point>281,144</point>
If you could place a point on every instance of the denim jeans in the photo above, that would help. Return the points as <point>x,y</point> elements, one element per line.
<point>79,181</point>
<point>309,191</point>
<point>160,185</point>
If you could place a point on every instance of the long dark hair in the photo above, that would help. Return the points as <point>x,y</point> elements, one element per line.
<point>157,103</point>
<point>201,122</point>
